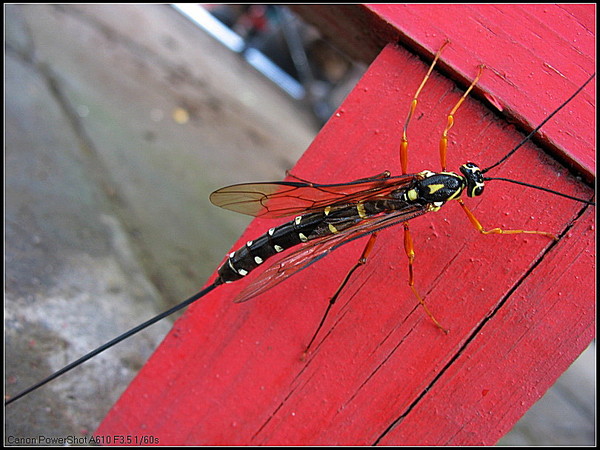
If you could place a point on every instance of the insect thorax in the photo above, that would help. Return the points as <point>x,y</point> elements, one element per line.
<point>436,188</point>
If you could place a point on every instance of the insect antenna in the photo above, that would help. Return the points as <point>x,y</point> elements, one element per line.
<point>530,135</point>
<point>527,138</point>
<point>113,342</point>
<point>541,189</point>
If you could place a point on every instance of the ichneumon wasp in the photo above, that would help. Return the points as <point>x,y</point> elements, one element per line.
<point>331,215</point>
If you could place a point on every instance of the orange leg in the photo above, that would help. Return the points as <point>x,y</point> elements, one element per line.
<point>361,261</point>
<point>408,244</point>
<point>450,123</point>
<point>410,253</point>
<point>413,107</point>
<point>479,228</point>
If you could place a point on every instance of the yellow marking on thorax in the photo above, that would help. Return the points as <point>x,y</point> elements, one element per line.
<point>412,195</point>
<point>433,188</point>
<point>456,194</point>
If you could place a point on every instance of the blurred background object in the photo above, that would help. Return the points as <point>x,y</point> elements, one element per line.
<point>285,49</point>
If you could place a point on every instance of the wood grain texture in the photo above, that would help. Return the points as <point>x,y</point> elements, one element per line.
<point>536,56</point>
<point>515,356</point>
<point>519,308</point>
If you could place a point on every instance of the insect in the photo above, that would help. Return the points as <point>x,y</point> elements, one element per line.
<point>331,215</point>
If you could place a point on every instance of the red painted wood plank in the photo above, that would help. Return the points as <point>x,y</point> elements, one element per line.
<point>530,335</point>
<point>231,374</point>
<point>535,54</point>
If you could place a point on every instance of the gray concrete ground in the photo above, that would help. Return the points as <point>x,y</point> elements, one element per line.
<point>120,120</point>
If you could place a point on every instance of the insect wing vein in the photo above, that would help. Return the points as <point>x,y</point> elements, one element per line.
<point>281,199</point>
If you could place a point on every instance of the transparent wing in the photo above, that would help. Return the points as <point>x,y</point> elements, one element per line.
<point>281,199</point>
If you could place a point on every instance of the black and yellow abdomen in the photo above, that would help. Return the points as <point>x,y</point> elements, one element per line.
<point>302,229</point>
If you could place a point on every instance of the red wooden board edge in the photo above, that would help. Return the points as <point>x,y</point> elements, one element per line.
<point>537,55</point>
